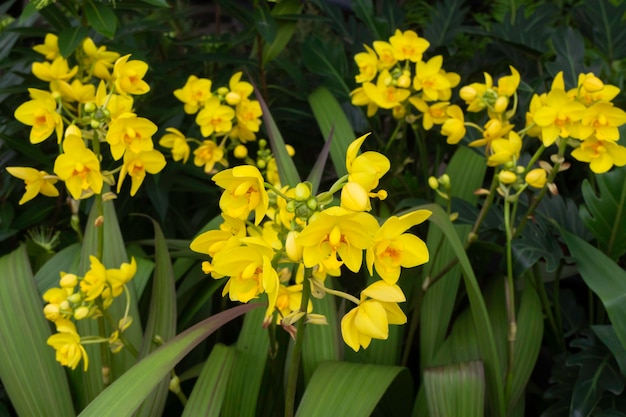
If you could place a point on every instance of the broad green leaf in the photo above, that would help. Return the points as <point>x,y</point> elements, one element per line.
<point>64,261</point>
<point>57,18</point>
<point>364,10</point>
<point>246,379</point>
<point>346,389</point>
<point>264,23</point>
<point>124,396</point>
<point>70,38</point>
<point>158,3</point>
<point>607,335</point>
<point>455,390</point>
<point>604,277</point>
<point>35,383</point>
<point>286,168</point>
<point>331,118</point>
<point>604,213</point>
<point>569,46</point>
<point>161,318</point>
<point>101,18</point>
<point>607,20</point>
<point>327,57</point>
<point>209,390</point>
<point>484,330</point>
<point>284,28</point>
<point>527,31</point>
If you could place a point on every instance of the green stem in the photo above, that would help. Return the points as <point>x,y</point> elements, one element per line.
<point>541,290</point>
<point>104,353</point>
<point>394,134</point>
<point>421,147</point>
<point>510,297</point>
<point>292,377</point>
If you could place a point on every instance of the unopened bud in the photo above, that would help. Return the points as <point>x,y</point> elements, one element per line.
<point>81,312</point>
<point>501,104</point>
<point>592,83</point>
<point>507,177</point>
<point>233,98</point>
<point>302,191</point>
<point>240,152</point>
<point>99,221</point>
<point>90,107</point>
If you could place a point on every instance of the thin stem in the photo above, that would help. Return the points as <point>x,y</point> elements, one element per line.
<point>292,377</point>
<point>541,290</point>
<point>394,134</point>
<point>510,296</point>
<point>104,353</point>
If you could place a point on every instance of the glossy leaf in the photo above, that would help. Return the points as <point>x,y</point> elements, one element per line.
<point>70,38</point>
<point>123,396</point>
<point>607,335</point>
<point>446,21</point>
<point>101,17</point>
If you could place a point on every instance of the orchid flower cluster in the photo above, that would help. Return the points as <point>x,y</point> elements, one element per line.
<point>226,113</point>
<point>88,104</point>
<point>582,117</point>
<point>79,298</point>
<point>284,242</point>
<point>393,74</point>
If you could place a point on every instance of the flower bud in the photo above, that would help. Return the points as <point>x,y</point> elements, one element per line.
<point>293,249</point>
<point>68,281</point>
<point>354,197</point>
<point>433,183</point>
<point>222,91</point>
<point>290,150</point>
<point>507,177</point>
<point>240,152</point>
<point>51,311</point>
<point>536,178</point>
<point>501,104</point>
<point>233,98</point>
<point>302,192</point>
<point>592,83</point>
<point>398,112</point>
<point>468,93</point>
<point>90,107</point>
<point>81,312</point>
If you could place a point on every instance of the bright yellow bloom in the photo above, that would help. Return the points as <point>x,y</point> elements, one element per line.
<point>384,93</point>
<point>53,71</point>
<point>591,89</point>
<point>98,60</point>
<point>128,76</point>
<point>194,93</point>
<point>49,48</point>
<point>58,306</point>
<point>536,178</point>
<point>117,278</point>
<point>368,65</point>
<point>116,104</point>
<point>429,79</point>
<point>77,91</point>
<point>372,317</point>
<point>507,85</point>
<point>505,150</point>
<point>432,115</point>
<point>79,167</point>
<point>393,248</point>
<point>493,129</point>
<point>137,165</point>
<point>41,114</point>
<point>408,45</point>
<point>36,182</point>
<point>230,233</point>
<point>359,98</point>
<point>354,197</point>
<point>602,121</point>
<point>239,90</point>
<point>69,351</point>
<point>244,192</point>
<point>248,113</point>
<point>288,301</point>
<point>215,118</point>
<point>177,142</point>
<point>208,154</point>
<point>337,233</point>
<point>386,57</point>
<point>601,155</point>
<point>367,168</point>
<point>473,94</point>
<point>131,133</point>
<point>95,279</point>
<point>454,127</point>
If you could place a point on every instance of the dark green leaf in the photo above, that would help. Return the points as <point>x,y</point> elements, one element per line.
<point>364,10</point>
<point>327,58</point>
<point>158,3</point>
<point>528,30</point>
<point>284,28</point>
<point>605,213</point>
<point>569,46</point>
<point>446,21</point>
<point>537,242</point>
<point>101,17</point>
<point>455,390</point>
<point>70,38</point>
<point>606,21</point>
<point>264,23</point>
<point>607,335</point>
<point>56,17</point>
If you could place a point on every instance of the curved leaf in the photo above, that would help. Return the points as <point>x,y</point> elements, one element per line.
<point>123,396</point>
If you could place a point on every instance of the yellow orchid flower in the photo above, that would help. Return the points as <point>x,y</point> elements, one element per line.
<point>128,76</point>
<point>384,93</point>
<point>95,279</point>
<point>230,233</point>
<point>194,93</point>
<point>69,350</point>
<point>434,114</point>
<point>79,167</point>
<point>239,90</point>
<point>98,59</point>
<point>429,79</point>
<point>600,154</point>
<point>454,126</point>
<point>76,91</point>
<point>244,192</point>
<point>386,56</point>
<point>41,114</point>
<point>136,165</point>
<point>117,278</point>
<point>368,65</point>
<point>207,155</point>
<point>56,70</point>
<point>337,237</point>
<point>36,182</point>
<point>408,45</point>
<point>132,133</point>
<point>177,142</point>
<point>505,150</point>
<point>49,48</point>
<point>215,118</point>
<point>393,248</point>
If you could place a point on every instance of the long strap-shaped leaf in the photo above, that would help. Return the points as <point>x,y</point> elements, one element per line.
<point>486,339</point>
<point>123,397</point>
<point>604,277</point>
<point>34,381</point>
<point>347,389</point>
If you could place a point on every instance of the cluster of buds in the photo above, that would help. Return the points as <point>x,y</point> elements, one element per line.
<point>226,113</point>
<point>79,298</point>
<point>87,105</point>
<point>275,240</point>
<point>392,75</point>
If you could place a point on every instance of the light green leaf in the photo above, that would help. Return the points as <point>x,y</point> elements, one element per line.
<point>331,118</point>
<point>209,390</point>
<point>284,28</point>
<point>64,261</point>
<point>456,390</point>
<point>348,389</point>
<point>35,383</point>
<point>101,17</point>
<point>123,397</point>
<point>158,3</point>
